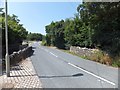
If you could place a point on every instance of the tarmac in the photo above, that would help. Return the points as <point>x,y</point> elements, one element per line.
<point>22,75</point>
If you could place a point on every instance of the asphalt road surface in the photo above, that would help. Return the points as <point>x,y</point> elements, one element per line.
<point>57,69</point>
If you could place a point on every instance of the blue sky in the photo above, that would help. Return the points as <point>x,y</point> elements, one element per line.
<point>36,15</point>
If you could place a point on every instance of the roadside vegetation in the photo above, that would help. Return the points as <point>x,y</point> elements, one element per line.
<point>34,37</point>
<point>100,57</point>
<point>16,33</point>
<point>96,25</point>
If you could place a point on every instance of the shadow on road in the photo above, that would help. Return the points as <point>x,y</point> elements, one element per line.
<point>74,75</point>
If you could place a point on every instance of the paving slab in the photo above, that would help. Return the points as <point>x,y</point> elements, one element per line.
<point>22,75</point>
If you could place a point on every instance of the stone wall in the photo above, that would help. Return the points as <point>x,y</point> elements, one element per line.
<point>23,46</point>
<point>16,57</point>
<point>20,55</point>
<point>82,51</point>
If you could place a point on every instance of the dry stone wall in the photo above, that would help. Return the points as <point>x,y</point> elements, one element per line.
<point>82,51</point>
<point>16,57</point>
<point>20,55</point>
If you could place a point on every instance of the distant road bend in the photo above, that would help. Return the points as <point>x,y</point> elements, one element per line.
<point>57,69</point>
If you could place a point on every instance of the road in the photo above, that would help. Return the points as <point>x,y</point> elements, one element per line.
<point>57,69</point>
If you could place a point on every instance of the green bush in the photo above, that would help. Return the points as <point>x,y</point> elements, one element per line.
<point>44,43</point>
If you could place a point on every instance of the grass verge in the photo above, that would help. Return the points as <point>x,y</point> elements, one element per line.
<point>100,57</point>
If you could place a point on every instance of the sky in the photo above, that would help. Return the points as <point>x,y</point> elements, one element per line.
<point>36,15</point>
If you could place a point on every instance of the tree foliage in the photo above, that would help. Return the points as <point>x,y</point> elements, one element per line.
<point>34,37</point>
<point>95,25</point>
<point>16,32</point>
<point>55,34</point>
<point>103,18</point>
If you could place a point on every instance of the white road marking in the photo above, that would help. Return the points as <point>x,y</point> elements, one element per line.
<point>49,52</point>
<point>53,54</point>
<point>112,83</point>
<point>100,78</point>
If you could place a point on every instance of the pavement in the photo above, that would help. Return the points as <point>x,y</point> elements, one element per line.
<point>57,69</point>
<point>22,75</point>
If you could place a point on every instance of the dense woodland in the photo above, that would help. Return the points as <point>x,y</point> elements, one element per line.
<point>96,25</point>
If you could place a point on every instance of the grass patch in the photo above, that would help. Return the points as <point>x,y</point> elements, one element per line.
<point>116,62</point>
<point>43,43</point>
<point>84,57</point>
<point>101,57</point>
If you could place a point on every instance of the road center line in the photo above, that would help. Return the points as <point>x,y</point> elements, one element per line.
<point>53,54</point>
<point>93,74</point>
<point>49,52</point>
<point>101,78</point>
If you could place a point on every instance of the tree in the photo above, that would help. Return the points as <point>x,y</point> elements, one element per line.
<point>103,20</point>
<point>55,34</point>
<point>34,36</point>
<point>95,25</point>
<point>16,32</point>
